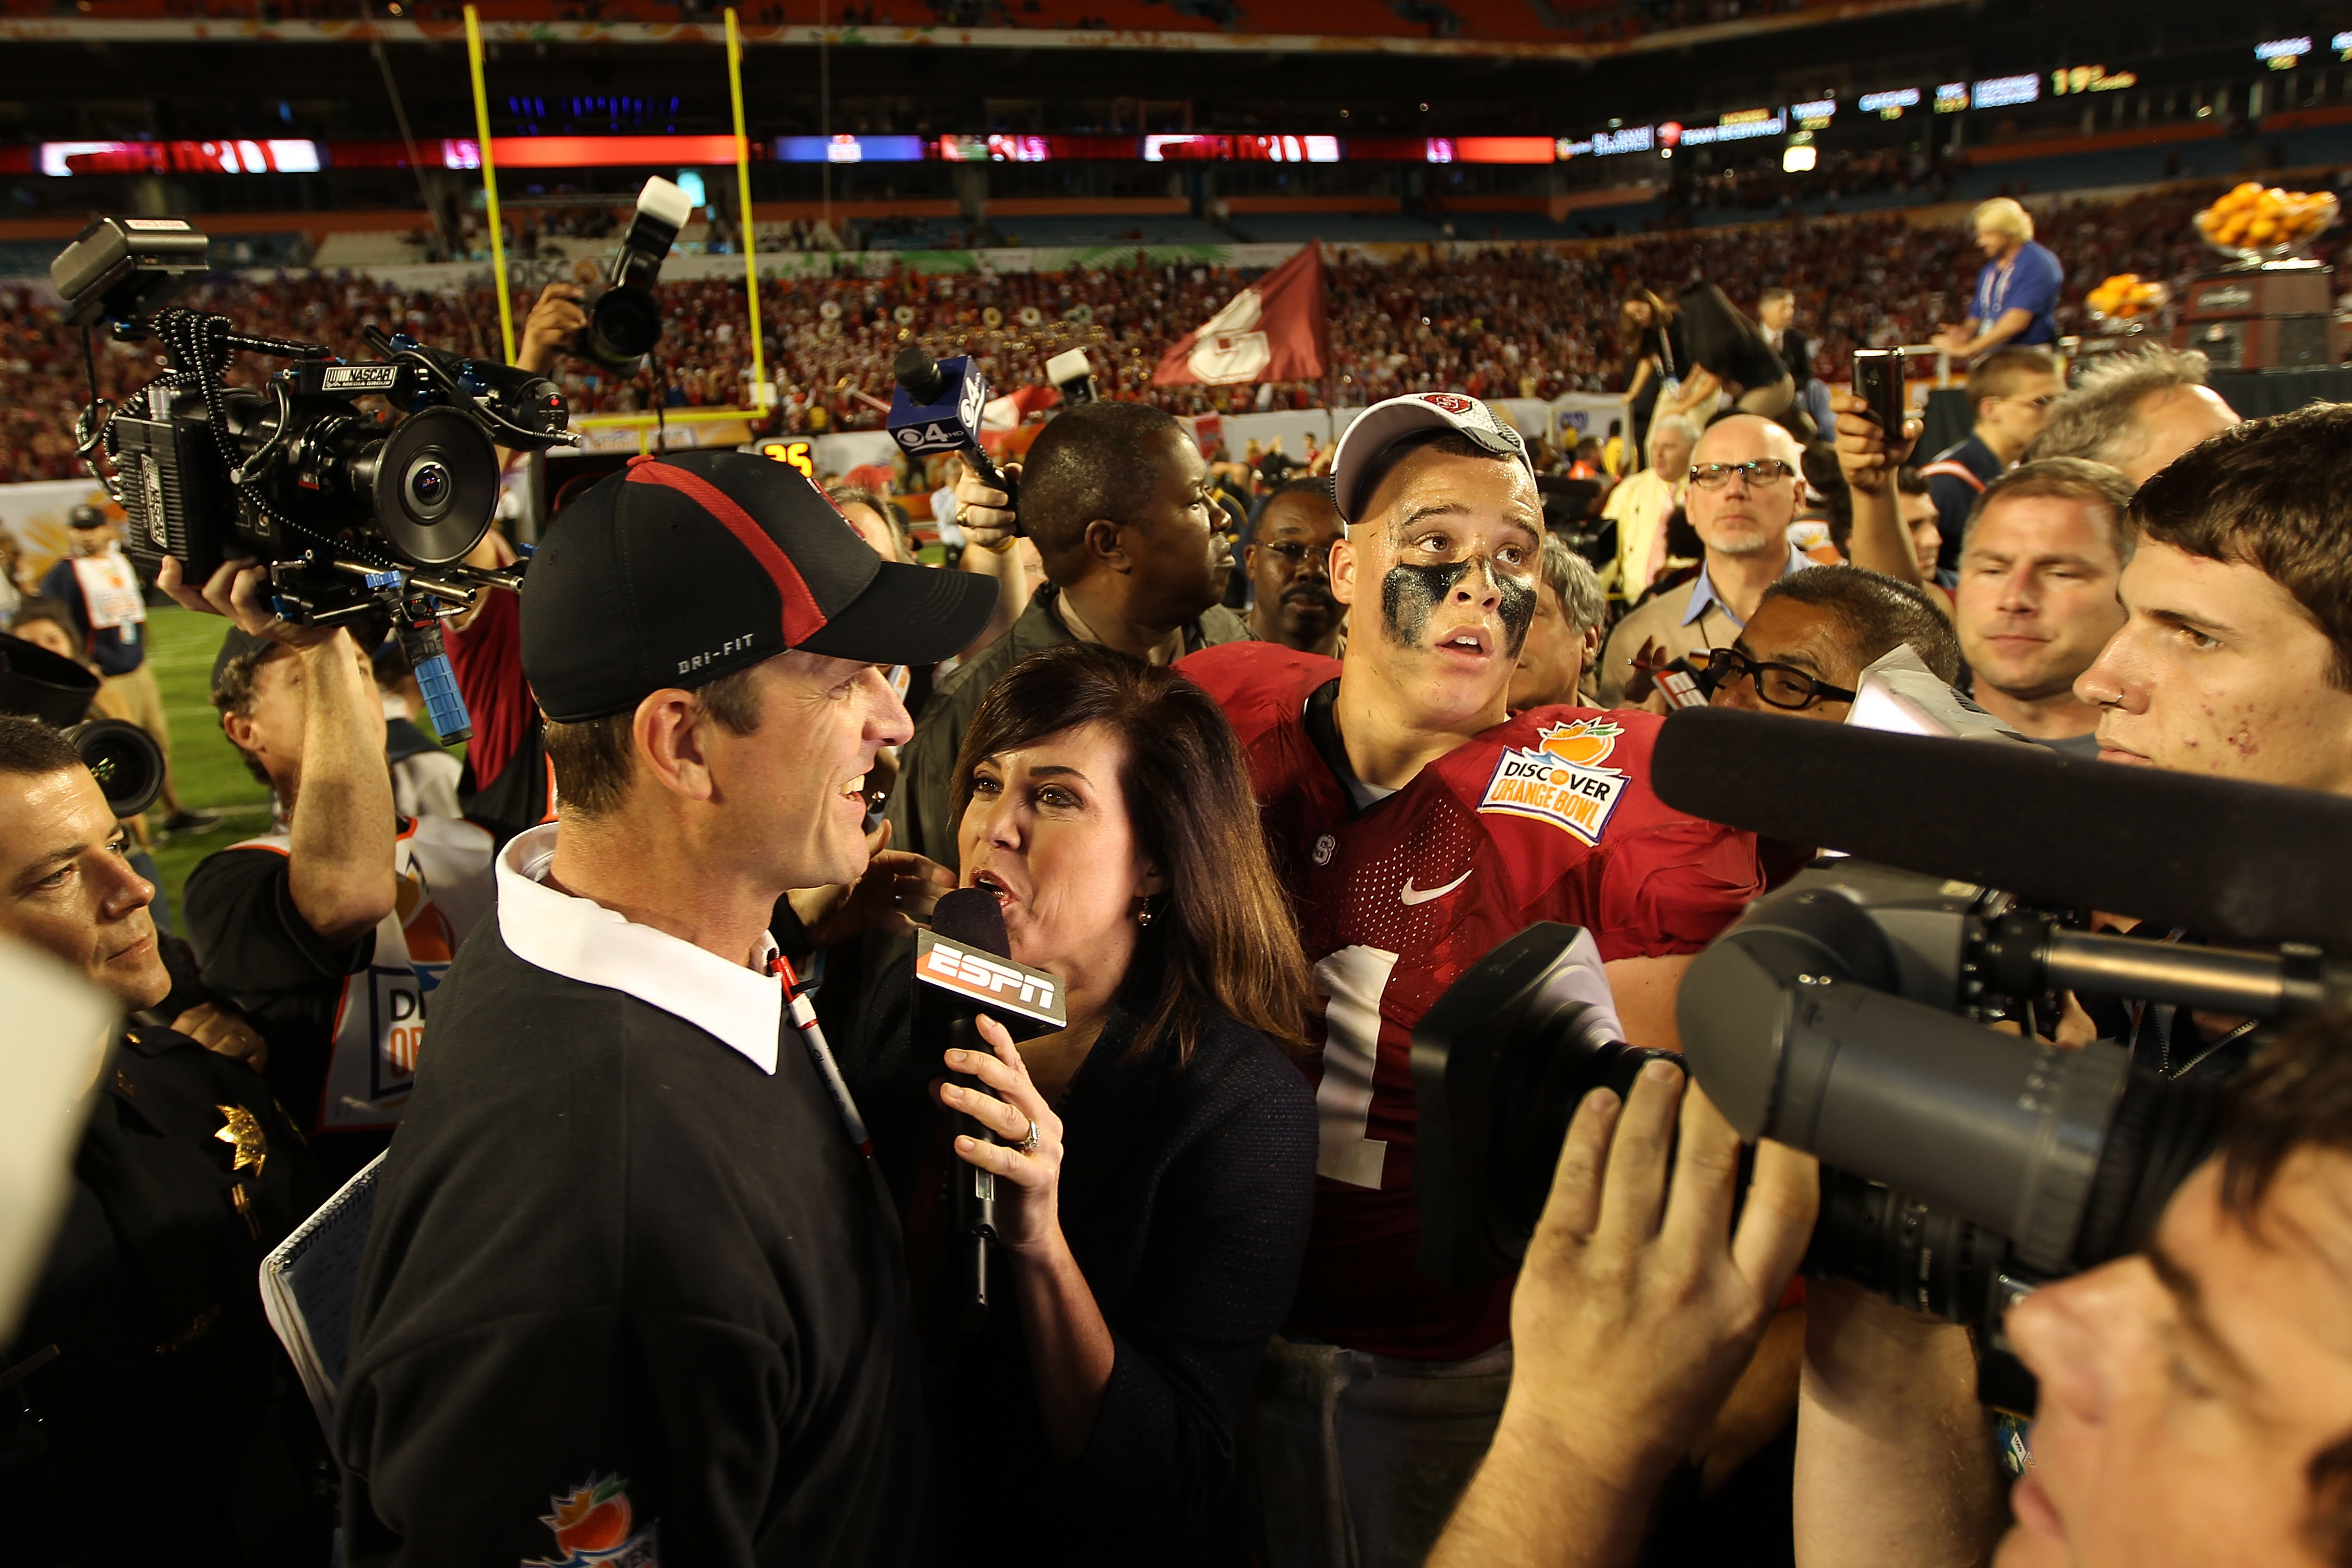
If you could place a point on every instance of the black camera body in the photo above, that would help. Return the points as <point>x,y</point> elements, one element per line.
<point>122,757</point>
<point>1849,1015</point>
<point>624,319</point>
<point>358,510</point>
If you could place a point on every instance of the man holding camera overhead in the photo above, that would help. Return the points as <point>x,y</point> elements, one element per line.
<point>332,929</point>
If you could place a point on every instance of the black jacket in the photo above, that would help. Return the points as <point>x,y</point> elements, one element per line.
<point>150,1415</point>
<point>1186,1195</point>
<point>619,1276</point>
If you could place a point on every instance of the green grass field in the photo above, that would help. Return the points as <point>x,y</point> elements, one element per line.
<point>209,773</point>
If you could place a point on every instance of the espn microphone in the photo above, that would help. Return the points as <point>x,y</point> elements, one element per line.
<point>937,409</point>
<point>962,970</point>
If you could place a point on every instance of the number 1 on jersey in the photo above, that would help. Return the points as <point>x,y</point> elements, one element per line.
<point>1353,979</point>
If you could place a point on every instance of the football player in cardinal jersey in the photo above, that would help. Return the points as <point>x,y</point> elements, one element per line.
<point>1418,827</point>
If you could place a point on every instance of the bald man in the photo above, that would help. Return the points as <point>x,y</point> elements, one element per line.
<point>1745,488</point>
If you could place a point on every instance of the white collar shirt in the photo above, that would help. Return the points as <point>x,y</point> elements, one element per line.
<point>582,940</point>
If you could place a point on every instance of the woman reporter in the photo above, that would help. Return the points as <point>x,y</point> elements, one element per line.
<point>1152,1235</point>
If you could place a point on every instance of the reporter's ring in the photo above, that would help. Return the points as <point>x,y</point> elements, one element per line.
<point>964,514</point>
<point>1029,1145</point>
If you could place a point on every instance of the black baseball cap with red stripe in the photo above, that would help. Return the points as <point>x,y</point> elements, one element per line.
<point>679,569</point>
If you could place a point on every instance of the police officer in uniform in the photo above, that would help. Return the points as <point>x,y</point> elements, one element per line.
<point>147,1413</point>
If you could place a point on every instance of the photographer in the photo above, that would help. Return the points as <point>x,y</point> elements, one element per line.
<point>1152,1234</point>
<point>152,1416</point>
<point>1638,1306</point>
<point>332,929</point>
<point>628,1260</point>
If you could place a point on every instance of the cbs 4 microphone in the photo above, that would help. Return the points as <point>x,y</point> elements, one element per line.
<point>962,970</point>
<point>937,409</point>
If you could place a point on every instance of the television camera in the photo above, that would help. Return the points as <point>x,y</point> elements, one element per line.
<point>357,510</point>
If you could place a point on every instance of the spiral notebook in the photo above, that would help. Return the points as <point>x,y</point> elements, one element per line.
<point>306,1285</point>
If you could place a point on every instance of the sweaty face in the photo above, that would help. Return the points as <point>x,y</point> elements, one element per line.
<point>1807,637</point>
<point>1445,555</point>
<point>67,888</point>
<point>2186,1391</point>
<point>1179,550</point>
<point>2218,669</point>
<point>1744,516</point>
<point>1553,659</point>
<point>1290,570</point>
<point>1047,831</point>
<point>2036,600</point>
<point>795,784</point>
<point>2169,423</point>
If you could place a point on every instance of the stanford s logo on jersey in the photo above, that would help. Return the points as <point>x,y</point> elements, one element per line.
<point>1559,780</point>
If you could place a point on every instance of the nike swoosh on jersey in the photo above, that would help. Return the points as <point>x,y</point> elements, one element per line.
<point>1411,895</point>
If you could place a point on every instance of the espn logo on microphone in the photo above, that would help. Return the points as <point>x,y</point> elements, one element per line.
<point>986,979</point>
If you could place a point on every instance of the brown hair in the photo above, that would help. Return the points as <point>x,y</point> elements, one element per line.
<point>1629,329</point>
<point>2297,1094</point>
<point>596,758</point>
<point>2076,479</point>
<point>2263,494</point>
<point>1225,941</point>
<point>2000,374</point>
<point>30,749</point>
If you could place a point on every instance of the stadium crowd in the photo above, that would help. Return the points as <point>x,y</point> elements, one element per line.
<point>692,1195</point>
<point>1506,321</point>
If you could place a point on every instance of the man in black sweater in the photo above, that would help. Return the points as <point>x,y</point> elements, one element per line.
<point>633,1290</point>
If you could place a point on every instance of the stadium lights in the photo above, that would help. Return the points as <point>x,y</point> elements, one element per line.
<point>1798,158</point>
<point>2283,54</point>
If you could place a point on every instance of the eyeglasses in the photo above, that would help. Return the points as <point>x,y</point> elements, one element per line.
<point>1757,472</point>
<point>1298,554</point>
<point>1779,685</point>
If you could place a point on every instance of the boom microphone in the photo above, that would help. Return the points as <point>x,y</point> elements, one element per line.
<point>962,969</point>
<point>2219,857</point>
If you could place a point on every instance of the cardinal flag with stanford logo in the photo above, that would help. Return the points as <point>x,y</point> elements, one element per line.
<point>1274,330</point>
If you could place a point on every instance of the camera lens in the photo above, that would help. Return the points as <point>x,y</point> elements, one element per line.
<point>124,759</point>
<point>433,483</point>
<point>430,487</point>
<point>623,325</point>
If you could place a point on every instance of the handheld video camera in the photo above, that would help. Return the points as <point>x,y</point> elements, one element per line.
<point>355,509</point>
<point>624,319</point>
<point>125,759</point>
<point>1849,1015</point>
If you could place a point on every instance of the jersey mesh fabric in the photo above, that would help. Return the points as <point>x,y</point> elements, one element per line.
<point>1396,903</point>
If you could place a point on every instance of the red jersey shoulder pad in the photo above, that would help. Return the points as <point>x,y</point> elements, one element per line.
<point>1260,685</point>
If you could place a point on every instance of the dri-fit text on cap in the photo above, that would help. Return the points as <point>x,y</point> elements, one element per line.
<point>731,646</point>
